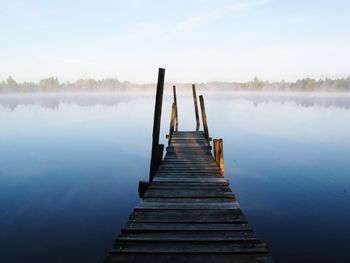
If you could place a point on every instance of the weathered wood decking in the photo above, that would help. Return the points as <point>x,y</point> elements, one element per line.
<point>188,213</point>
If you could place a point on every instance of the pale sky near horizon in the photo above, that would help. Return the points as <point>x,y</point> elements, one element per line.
<point>196,41</point>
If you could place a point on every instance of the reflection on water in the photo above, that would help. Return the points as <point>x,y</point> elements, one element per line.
<point>68,176</point>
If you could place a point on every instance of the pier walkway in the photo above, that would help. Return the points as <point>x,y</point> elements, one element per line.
<point>188,212</point>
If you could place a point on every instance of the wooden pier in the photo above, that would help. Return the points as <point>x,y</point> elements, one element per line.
<point>188,213</point>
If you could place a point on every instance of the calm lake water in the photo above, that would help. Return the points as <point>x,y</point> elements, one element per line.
<point>70,166</point>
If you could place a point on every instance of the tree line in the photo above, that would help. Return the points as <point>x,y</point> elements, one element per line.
<point>52,84</point>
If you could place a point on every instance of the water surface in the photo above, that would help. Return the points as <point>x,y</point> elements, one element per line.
<point>70,166</point>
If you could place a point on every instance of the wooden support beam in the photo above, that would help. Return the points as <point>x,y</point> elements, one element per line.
<point>204,118</point>
<point>176,116</point>
<point>195,106</point>
<point>219,155</point>
<point>156,125</point>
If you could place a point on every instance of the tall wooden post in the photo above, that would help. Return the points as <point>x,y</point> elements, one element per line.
<point>157,149</point>
<point>172,120</point>
<point>176,116</point>
<point>204,118</point>
<point>219,155</point>
<point>195,106</point>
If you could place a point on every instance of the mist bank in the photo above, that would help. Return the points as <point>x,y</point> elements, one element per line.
<point>52,84</point>
<point>88,99</point>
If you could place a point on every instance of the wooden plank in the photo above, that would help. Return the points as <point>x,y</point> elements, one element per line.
<point>189,170</point>
<point>192,147</point>
<point>198,213</point>
<point>194,173</point>
<point>189,187</point>
<point>182,140</point>
<point>188,205</point>
<point>183,236</point>
<point>186,258</point>
<point>204,191</point>
<point>186,145</point>
<point>182,165</point>
<point>189,150</point>
<point>189,175</point>
<point>189,153</point>
<point>185,167</point>
<point>189,184</point>
<point>189,145</point>
<point>166,216</point>
<point>194,159</point>
<point>188,193</point>
<point>204,173</point>
<point>189,132</point>
<point>188,156</point>
<point>185,161</point>
<point>199,134</point>
<point>225,219</point>
<point>189,180</point>
<point>191,166</point>
<point>186,139</point>
<point>189,200</point>
<point>189,248</point>
<point>191,227</point>
<point>190,137</point>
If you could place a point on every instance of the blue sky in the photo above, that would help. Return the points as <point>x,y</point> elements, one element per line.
<point>194,40</point>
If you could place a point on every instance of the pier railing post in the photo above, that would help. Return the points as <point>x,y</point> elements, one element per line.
<point>176,116</point>
<point>204,118</point>
<point>172,120</point>
<point>157,149</point>
<point>195,106</point>
<point>219,155</point>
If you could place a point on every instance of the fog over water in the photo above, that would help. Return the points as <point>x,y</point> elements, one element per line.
<point>70,165</point>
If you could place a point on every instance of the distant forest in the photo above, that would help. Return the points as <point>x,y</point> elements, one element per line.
<point>53,85</point>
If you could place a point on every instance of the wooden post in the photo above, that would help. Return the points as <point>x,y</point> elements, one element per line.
<point>195,106</point>
<point>219,155</point>
<point>143,186</point>
<point>176,116</point>
<point>157,153</point>
<point>160,150</point>
<point>172,120</point>
<point>204,118</point>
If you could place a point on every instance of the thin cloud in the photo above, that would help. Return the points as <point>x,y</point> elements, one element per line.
<point>74,61</point>
<point>210,15</point>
